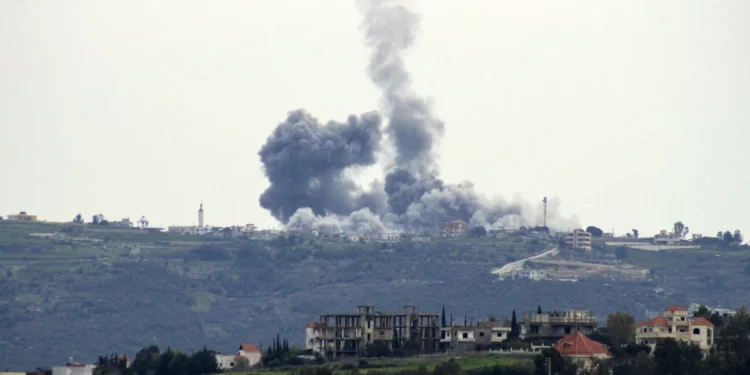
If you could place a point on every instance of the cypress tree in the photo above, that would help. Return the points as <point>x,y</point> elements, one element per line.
<point>513,326</point>
<point>442,322</point>
<point>539,309</point>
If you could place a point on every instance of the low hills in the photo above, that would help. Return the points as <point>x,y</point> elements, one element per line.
<point>84,291</point>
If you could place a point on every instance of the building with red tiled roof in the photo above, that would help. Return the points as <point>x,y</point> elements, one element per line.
<point>678,325</point>
<point>313,336</point>
<point>675,308</point>
<point>581,349</point>
<point>249,348</point>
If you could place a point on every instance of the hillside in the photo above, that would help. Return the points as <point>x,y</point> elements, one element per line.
<point>96,291</point>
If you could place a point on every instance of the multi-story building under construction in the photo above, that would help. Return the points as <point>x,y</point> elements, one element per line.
<point>337,335</point>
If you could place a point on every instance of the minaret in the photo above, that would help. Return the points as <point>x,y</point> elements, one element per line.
<point>200,216</point>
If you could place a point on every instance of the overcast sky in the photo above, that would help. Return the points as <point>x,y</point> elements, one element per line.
<point>634,113</point>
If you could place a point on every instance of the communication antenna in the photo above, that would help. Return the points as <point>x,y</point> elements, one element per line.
<point>545,210</point>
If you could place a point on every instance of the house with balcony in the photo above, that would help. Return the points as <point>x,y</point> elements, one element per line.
<point>341,335</point>
<point>664,238</point>
<point>468,337</point>
<point>578,239</point>
<point>554,325</point>
<point>677,324</point>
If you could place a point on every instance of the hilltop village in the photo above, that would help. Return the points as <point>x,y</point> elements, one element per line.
<point>567,256</point>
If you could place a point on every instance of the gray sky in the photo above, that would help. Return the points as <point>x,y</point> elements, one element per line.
<point>634,113</point>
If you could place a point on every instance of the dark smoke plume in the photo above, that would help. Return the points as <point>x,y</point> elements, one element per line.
<point>307,162</point>
<point>304,161</point>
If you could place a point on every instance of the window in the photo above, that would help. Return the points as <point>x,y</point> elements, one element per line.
<point>382,333</point>
<point>499,334</point>
<point>465,335</point>
<point>670,329</point>
<point>368,324</point>
<point>696,331</point>
<point>481,334</point>
<point>567,330</point>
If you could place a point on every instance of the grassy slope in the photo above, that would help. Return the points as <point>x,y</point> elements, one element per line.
<point>389,365</point>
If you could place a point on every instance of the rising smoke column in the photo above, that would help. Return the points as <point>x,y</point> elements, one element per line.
<point>390,29</point>
<point>309,183</point>
<point>305,160</point>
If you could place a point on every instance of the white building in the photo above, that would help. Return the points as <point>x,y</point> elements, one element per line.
<point>535,275</point>
<point>72,368</point>
<point>312,337</point>
<point>664,238</point>
<point>677,324</point>
<point>249,352</point>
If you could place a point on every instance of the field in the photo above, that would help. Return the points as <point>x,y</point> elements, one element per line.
<point>469,361</point>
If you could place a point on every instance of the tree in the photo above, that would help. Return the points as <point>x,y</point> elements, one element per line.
<point>621,252</point>
<point>143,222</point>
<point>635,233</point>
<point>242,364</point>
<point>203,362</point>
<point>539,309</point>
<point>621,327</point>
<point>738,236</point>
<point>78,219</point>
<point>442,318</point>
<point>479,231</point>
<point>679,229</point>
<point>96,219</point>
<point>146,361</point>
<point>728,238</point>
<point>514,329</point>
<point>595,232</point>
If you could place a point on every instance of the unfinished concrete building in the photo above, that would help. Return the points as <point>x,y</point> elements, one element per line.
<point>469,337</point>
<point>349,334</point>
<point>552,326</point>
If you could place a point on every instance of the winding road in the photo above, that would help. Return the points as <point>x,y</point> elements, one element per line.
<point>518,265</point>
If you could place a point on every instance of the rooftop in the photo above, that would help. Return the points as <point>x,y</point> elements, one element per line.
<point>657,321</point>
<point>675,308</point>
<point>249,348</point>
<point>578,344</point>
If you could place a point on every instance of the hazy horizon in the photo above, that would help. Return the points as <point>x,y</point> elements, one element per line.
<point>631,113</point>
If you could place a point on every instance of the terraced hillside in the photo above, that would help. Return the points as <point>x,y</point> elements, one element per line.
<point>95,291</point>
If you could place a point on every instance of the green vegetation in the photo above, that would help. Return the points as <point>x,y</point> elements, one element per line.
<point>114,290</point>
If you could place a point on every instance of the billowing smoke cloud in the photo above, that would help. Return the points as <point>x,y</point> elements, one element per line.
<point>307,162</point>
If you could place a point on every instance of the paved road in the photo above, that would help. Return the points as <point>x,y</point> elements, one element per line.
<point>518,265</point>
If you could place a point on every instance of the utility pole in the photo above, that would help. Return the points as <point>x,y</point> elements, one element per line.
<point>549,365</point>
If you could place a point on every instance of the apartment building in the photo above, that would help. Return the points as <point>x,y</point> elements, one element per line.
<point>578,239</point>
<point>22,216</point>
<point>664,238</point>
<point>468,337</point>
<point>552,326</point>
<point>338,335</point>
<point>677,324</point>
<point>456,228</point>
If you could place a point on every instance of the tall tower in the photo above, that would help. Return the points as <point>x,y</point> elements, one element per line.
<point>200,216</point>
<point>545,210</point>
